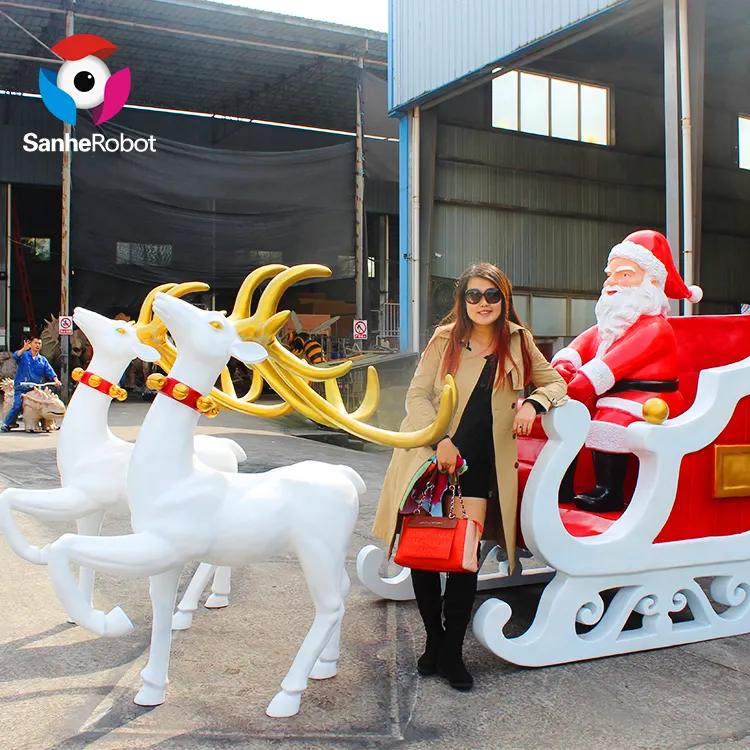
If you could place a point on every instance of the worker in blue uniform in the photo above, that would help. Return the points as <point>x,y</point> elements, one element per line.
<point>33,367</point>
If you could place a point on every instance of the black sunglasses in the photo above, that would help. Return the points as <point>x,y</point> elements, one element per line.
<point>492,295</point>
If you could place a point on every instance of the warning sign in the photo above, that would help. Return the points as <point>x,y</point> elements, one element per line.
<point>65,325</point>
<point>360,329</point>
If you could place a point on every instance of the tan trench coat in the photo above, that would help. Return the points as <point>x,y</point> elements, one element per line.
<point>421,406</point>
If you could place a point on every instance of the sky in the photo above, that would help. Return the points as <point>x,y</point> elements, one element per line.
<point>366,14</point>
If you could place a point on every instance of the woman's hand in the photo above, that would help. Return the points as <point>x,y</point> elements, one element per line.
<point>447,455</point>
<point>524,420</point>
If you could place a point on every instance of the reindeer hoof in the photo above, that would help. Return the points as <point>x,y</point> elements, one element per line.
<point>324,670</point>
<point>217,601</point>
<point>284,704</point>
<point>117,623</point>
<point>150,695</point>
<point>182,620</point>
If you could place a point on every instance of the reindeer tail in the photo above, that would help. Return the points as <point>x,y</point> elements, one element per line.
<point>354,478</point>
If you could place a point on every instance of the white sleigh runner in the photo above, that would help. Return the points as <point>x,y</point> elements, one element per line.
<point>679,554</point>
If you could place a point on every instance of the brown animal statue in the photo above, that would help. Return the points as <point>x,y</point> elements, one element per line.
<point>41,407</point>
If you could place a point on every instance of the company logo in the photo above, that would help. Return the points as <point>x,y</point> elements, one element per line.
<point>84,81</point>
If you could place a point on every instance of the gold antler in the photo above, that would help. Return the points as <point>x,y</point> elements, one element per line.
<point>291,387</point>
<point>265,323</point>
<point>369,404</point>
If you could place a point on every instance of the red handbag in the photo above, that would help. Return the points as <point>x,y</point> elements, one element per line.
<point>445,544</point>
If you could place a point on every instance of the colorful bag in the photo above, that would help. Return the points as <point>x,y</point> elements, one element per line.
<point>427,487</point>
<point>440,543</point>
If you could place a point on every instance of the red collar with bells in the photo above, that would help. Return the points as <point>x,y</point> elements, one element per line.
<point>183,393</point>
<point>98,383</point>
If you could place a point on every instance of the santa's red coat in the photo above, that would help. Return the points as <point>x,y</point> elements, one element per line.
<point>646,351</point>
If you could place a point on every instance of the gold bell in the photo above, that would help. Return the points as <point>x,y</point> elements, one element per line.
<point>156,381</point>
<point>206,405</point>
<point>655,411</point>
<point>77,374</point>
<point>95,381</point>
<point>118,393</point>
<point>180,391</point>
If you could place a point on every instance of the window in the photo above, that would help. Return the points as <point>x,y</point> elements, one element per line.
<point>744,142</point>
<point>542,105</point>
<point>555,317</point>
<point>264,257</point>
<point>39,248</point>
<point>347,266</point>
<point>371,268</point>
<point>140,254</point>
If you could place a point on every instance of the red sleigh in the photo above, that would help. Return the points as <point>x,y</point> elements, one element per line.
<point>700,508</point>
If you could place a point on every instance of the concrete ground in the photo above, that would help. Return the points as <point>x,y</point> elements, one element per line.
<point>61,687</point>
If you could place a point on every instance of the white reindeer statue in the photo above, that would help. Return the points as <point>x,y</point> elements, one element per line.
<point>182,512</point>
<point>92,461</point>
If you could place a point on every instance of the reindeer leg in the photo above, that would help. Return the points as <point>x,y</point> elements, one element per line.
<point>220,589</point>
<point>323,576</point>
<point>59,504</point>
<point>183,618</point>
<point>163,590</point>
<point>326,666</point>
<point>90,525</point>
<point>131,555</point>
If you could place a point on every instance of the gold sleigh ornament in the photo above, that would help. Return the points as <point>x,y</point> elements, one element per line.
<point>655,411</point>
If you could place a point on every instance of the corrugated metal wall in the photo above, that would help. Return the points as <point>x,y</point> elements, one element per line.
<point>544,211</point>
<point>547,211</point>
<point>436,42</point>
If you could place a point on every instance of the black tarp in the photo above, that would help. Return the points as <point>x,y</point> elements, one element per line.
<point>185,212</point>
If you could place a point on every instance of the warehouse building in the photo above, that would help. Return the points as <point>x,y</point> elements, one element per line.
<point>538,134</point>
<point>273,144</point>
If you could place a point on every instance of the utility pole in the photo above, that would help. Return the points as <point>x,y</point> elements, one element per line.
<point>65,240</point>
<point>360,273</point>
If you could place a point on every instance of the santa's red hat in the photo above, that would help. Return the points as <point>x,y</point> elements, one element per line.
<point>651,251</point>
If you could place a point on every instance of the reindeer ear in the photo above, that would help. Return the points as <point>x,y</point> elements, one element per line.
<point>147,353</point>
<point>249,352</point>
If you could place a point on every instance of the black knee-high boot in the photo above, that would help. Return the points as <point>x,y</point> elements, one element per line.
<point>459,602</point>
<point>427,590</point>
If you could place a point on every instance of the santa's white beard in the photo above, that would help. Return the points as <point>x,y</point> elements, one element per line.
<point>616,313</point>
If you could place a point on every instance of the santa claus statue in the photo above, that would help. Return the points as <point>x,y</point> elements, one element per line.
<point>628,357</point>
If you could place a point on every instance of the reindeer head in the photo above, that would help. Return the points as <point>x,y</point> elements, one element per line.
<point>205,339</point>
<point>115,340</point>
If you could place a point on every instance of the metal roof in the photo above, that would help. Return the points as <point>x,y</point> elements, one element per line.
<point>203,56</point>
<point>438,42</point>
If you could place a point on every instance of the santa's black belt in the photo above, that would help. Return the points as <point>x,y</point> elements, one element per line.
<point>650,386</point>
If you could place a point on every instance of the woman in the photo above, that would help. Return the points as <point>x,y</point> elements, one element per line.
<point>482,330</point>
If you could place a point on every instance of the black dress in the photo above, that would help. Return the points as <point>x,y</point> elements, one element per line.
<point>473,437</point>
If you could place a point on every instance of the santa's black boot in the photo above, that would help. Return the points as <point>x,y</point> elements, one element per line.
<point>428,593</point>
<point>608,495</point>
<point>567,492</point>
<point>459,602</point>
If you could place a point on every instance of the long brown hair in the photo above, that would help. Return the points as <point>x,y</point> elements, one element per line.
<point>460,325</point>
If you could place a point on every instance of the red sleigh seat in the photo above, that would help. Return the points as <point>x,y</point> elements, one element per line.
<point>705,342</point>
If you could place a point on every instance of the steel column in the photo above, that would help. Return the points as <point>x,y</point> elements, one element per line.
<point>65,240</point>
<point>360,272</point>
